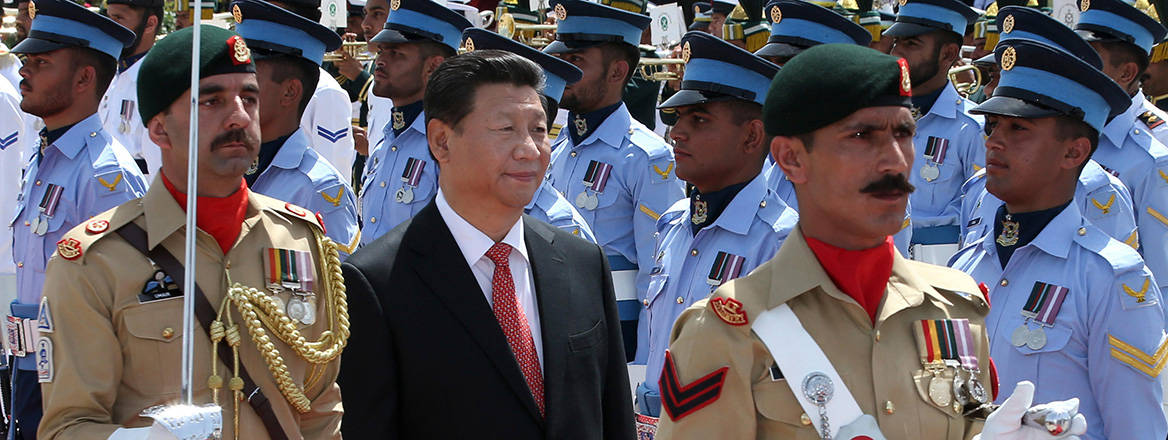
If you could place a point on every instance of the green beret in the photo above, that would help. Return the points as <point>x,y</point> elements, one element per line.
<point>166,70</point>
<point>828,82</point>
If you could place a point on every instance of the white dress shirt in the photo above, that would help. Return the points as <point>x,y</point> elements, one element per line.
<point>474,245</point>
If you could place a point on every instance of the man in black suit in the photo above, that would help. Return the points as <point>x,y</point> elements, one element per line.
<point>472,320</point>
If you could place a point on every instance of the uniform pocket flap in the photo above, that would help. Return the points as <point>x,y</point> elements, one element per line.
<point>160,321</point>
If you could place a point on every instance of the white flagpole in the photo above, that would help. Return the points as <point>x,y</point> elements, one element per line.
<point>188,347</point>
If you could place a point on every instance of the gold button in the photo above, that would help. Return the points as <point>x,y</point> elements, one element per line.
<point>877,335</point>
<point>645,302</point>
<point>93,134</point>
<point>680,300</point>
<point>167,333</point>
<point>1137,131</point>
<point>630,131</point>
<point>38,183</point>
<point>20,264</point>
<point>693,252</point>
<point>393,148</point>
<point>762,204</point>
<point>573,154</point>
<point>227,265</point>
<point>26,222</point>
<point>956,407</point>
<point>1082,231</point>
<point>383,184</point>
<point>1004,282</point>
<point>373,220</point>
<point>889,408</point>
<point>804,419</point>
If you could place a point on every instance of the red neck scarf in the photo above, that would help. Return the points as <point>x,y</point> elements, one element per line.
<point>222,217</point>
<point>862,275</point>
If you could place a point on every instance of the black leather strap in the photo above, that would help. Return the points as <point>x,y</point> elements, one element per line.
<point>205,312</point>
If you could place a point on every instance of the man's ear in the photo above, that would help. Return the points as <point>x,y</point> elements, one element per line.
<point>432,64</point>
<point>84,79</point>
<point>618,71</point>
<point>293,92</point>
<point>438,136</point>
<point>156,129</point>
<point>151,26</point>
<point>755,137</point>
<point>791,156</point>
<point>950,53</point>
<point>1078,151</point>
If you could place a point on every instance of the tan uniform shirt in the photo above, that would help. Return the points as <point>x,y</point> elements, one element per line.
<point>880,365</point>
<point>113,356</point>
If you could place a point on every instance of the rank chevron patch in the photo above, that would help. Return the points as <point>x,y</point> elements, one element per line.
<point>332,136</point>
<point>682,400</point>
<point>1150,364</point>
<point>6,142</point>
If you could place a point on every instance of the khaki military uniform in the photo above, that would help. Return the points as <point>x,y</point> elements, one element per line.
<point>111,356</point>
<point>880,365</point>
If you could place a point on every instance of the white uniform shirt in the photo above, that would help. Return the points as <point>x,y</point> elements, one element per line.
<point>13,157</point>
<point>328,123</point>
<point>121,120</point>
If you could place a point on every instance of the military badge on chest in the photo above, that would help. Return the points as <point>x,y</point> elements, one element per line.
<point>292,272</point>
<point>726,267</point>
<point>411,177</point>
<point>581,125</point>
<point>47,208</point>
<point>1010,231</point>
<point>935,150</point>
<point>1042,307</point>
<point>127,116</point>
<point>595,180</point>
<point>160,286</point>
<point>948,354</point>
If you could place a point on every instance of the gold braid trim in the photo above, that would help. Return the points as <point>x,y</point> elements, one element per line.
<point>259,310</point>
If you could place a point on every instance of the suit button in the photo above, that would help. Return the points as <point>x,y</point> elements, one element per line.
<point>373,220</point>
<point>693,252</point>
<point>889,408</point>
<point>804,419</point>
<point>680,300</point>
<point>1004,282</point>
<point>167,333</point>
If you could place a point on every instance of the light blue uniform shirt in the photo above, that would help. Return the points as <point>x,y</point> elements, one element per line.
<point>936,204</point>
<point>752,226</point>
<point>1128,150</point>
<point>641,186</point>
<point>552,208</point>
<point>379,207</point>
<point>786,191</point>
<point>1108,328</point>
<point>95,173</point>
<point>1101,197</point>
<point>299,175</point>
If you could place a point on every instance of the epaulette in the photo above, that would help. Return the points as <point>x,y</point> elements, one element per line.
<point>771,211</point>
<point>75,244</point>
<point>673,214</point>
<point>739,301</point>
<point>951,281</point>
<point>544,199</point>
<point>649,142</point>
<point>1121,257</point>
<point>977,179</point>
<point>288,210</point>
<point>1150,119</point>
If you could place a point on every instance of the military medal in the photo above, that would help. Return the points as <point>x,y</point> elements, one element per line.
<point>818,389</point>
<point>47,208</point>
<point>934,153</point>
<point>581,125</point>
<point>1020,336</point>
<point>595,180</point>
<point>1042,306</point>
<point>942,344</point>
<point>1010,231</point>
<point>127,115</point>
<point>293,271</point>
<point>726,267</point>
<point>701,211</point>
<point>411,177</point>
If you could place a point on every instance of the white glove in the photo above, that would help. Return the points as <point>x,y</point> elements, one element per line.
<point>1006,422</point>
<point>152,432</point>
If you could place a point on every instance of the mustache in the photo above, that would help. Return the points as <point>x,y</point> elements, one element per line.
<point>890,183</point>
<point>237,135</point>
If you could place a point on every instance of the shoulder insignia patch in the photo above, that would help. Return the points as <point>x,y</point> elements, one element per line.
<point>332,136</point>
<point>1163,175</point>
<point>6,142</point>
<point>97,226</point>
<point>1104,207</point>
<point>1151,120</point>
<point>1140,294</point>
<point>335,201</point>
<point>680,400</point>
<point>295,209</point>
<point>663,173</point>
<point>728,310</point>
<point>1150,364</point>
<point>111,184</point>
<point>44,360</point>
<point>69,248</point>
<point>44,317</point>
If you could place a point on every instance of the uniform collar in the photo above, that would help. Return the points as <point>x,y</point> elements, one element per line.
<point>947,102</point>
<point>610,132</point>
<point>593,121</point>
<point>292,151</point>
<point>410,114</point>
<point>747,200</point>
<point>75,138</point>
<point>419,125</point>
<point>164,216</point>
<point>1054,238</point>
<point>126,63</point>
<point>800,272</point>
<point>268,152</point>
<point>1116,130</point>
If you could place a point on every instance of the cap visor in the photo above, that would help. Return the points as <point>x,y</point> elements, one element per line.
<point>393,36</point>
<point>902,29</point>
<point>36,45</point>
<point>1014,107</point>
<point>691,97</point>
<point>569,46</point>
<point>779,50</point>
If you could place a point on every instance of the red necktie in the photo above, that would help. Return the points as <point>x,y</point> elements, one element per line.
<point>509,312</point>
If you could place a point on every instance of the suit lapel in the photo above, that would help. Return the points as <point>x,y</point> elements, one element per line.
<point>553,294</point>
<point>441,265</point>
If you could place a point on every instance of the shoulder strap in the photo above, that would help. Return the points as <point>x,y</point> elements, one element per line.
<point>798,356</point>
<point>205,312</point>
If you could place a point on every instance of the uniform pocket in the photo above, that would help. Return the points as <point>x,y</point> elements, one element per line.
<point>775,402</point>
<point>154,335</point>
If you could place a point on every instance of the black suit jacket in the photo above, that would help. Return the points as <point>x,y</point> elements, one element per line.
<point>428,360</point>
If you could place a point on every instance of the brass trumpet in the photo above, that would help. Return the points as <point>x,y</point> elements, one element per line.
<point>965,88</point>
<point>657,69</point>
<point>359,50</point>
<point>529,34</point>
